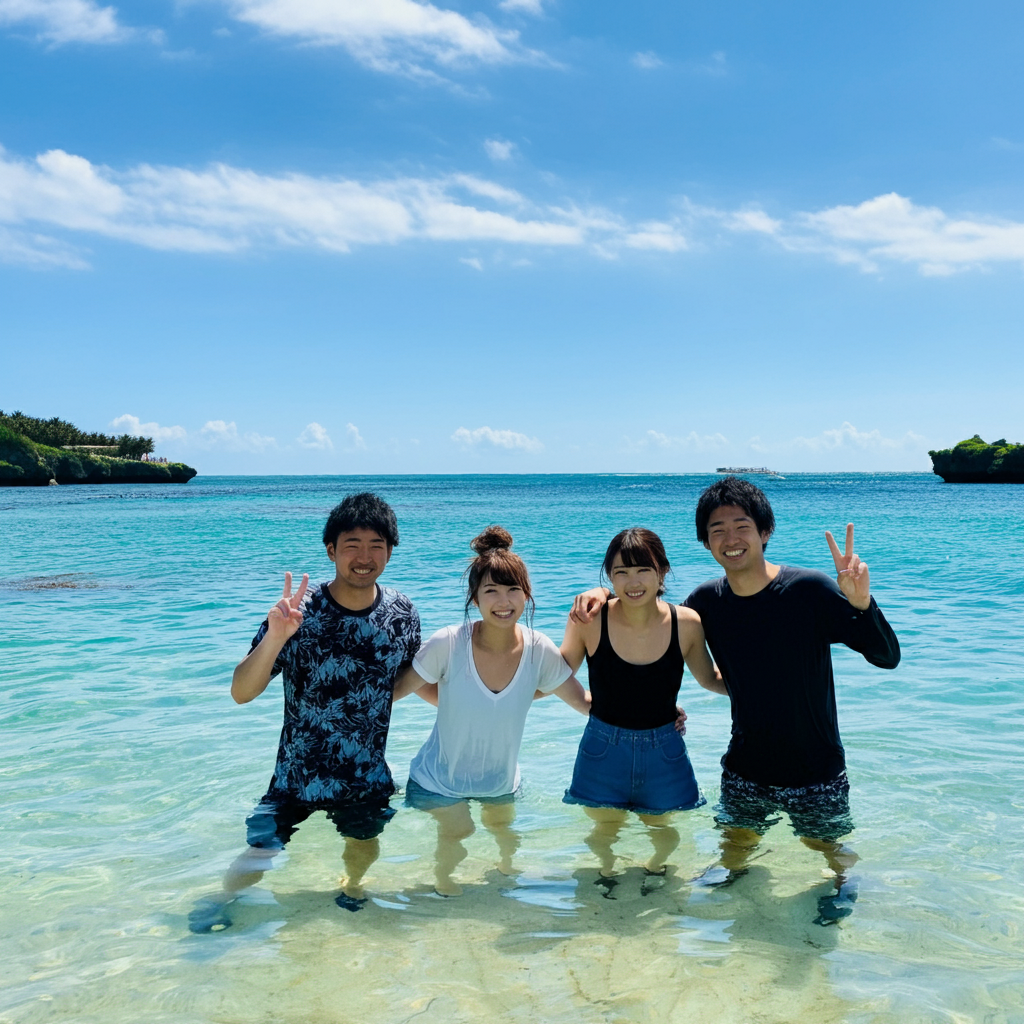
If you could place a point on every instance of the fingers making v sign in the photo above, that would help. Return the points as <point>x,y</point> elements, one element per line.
<point>852,573</point>
<point>286,616</point>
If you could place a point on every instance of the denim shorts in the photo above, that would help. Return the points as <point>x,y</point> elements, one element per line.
<point>423,799</point>
<point>642,770</point>
<point>274,820</point>
<point>821,811</point>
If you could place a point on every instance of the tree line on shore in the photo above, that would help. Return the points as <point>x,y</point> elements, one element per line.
<point>58,433</point>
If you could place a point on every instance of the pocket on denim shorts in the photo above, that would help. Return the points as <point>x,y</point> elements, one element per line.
<point>673,749</point>
<point>594,745</point>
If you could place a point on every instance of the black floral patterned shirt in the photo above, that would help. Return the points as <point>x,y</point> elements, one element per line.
<point>339,673</point>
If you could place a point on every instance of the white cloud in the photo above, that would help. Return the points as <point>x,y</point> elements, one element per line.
<point>716,65</point>
<point>129,424</point>
<point>499,150</point>
<point>509,439</point>
<point>691,441</point>
<point>523,6</point>
<point>647,60</point>
<point>315,436</point>
<point>472,261</point>
<point>226,209</point>
<point>65,21</point>
<point>891,227</point>
<point>395,36</point>
<point>353,439</point>
<point>656,235</point>
<point>848,436</point>
<point>218,434</point>
<point>753,220</point>
<point>37,251</point>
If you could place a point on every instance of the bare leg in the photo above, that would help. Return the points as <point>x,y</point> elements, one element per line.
<point>737,845</point>
<point>497,819</point>
<point>210,913</point>
<point>607,823</point>
<point>834,906</point>
<point>840,858</point>
<point>358,856</point>
<point>453,825</point>
<point>664,838</point>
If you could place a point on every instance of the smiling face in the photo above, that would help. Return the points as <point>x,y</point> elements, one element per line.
<point>500,605</point>
<point>734,541</point>
<point>359,557</point>
<point>635,585</point>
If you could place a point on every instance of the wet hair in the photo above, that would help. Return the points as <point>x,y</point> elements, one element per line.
<point>495,560</point>
<point>731,490</point>
<point>637,546</point>
<point>363,511</point>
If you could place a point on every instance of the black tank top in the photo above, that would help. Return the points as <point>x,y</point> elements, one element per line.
<point>634,696</point>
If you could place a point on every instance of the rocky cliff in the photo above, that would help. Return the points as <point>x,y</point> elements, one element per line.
<point>975,461</point>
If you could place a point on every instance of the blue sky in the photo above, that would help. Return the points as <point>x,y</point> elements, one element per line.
<point>299,236</point>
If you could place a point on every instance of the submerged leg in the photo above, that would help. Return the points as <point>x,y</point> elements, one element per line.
<point>840,857</point>
<point>453,825</point>
<point>210,913</point>
<point>737,844</point>
<point>664,838</point>
<point>497,819</point>
<point>607,823</point>
<point>358,855</point>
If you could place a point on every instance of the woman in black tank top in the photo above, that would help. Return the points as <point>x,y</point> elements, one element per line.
<point>631,756</point>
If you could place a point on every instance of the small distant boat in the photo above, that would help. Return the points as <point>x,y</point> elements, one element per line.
<point>749,470</point>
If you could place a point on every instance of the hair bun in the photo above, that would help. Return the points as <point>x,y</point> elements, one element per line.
<point>494,538</point>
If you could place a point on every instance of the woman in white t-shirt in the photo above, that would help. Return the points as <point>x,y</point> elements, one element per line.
<point>487,674</point>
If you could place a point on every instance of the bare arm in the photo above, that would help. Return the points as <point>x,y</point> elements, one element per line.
<point>588,604</point>
<point>695,652</point>
<point>574,644</point>
<point>572,692</point>
<point>410,681</point>
<point>428,693</point>
<point>252,674</point>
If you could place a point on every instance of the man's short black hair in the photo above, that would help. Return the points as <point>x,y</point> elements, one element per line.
<point>731,490</point>
<point>362,512</point>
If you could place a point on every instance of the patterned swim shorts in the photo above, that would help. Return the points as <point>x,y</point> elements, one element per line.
<point>821,811</point>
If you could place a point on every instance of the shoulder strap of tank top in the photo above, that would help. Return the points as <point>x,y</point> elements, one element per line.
<point>605,640</point>
<point>674,642</point>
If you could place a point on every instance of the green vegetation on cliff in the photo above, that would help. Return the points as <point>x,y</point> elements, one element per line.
<point>975,461</point>
<point>27,463</point>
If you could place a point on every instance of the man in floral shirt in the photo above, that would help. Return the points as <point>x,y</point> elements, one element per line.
<point>339,647</point>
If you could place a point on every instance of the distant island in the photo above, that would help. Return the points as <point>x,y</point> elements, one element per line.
<point>975,461</point>
<point>744,470</point>
<point>36,452</point>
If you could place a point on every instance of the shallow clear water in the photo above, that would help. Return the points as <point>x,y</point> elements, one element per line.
<point>127,773</point>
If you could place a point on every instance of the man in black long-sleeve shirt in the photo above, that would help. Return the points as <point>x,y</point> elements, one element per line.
<point>770,629</point>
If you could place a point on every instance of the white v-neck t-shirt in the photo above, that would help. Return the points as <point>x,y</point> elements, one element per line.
<point>473,749</point>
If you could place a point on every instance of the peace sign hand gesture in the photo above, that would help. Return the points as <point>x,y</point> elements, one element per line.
<point>852,573</point>
<point>286,616</point>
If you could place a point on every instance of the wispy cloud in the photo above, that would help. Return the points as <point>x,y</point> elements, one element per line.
<point>130,424</point>
<point>395,36</point>
<point>64,21</point>
<point>692,441</point>
<point>218,434</point>
<point>353,439</point>
<point>472,261</point>
<point>499,150</point>
<point>888,229</point>
<point>224,209</point>
<point>485,436</point>
<point>315,436</point>
<point>647,60</point>
<point>848,436</point>
<point>522,6</point>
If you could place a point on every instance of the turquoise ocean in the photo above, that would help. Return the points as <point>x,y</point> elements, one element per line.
<point>127,773</point>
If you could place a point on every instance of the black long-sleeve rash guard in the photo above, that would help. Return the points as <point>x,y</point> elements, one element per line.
<point>774,652</point>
